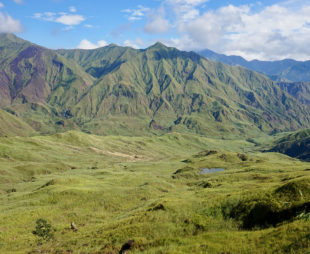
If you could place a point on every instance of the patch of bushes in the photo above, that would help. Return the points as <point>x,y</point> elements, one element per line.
<point>186,172</point>
<point>44,231</point>
<point>286,203</point>
<point>242,156</point>
<point>295,190</point>
<point>205,153</point>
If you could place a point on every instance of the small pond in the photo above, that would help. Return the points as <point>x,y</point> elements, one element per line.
<point>210,170</point>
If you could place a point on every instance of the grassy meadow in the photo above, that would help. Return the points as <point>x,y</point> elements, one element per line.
<point>150,190</point>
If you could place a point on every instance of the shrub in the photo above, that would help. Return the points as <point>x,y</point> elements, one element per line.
<point>44,231</point>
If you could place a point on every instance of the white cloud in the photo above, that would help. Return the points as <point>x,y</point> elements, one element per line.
<point>86,44</point>
<point>72,9</point>
<point>70,19</point>
<point>88,26</point>
<point>272,32</point>
<point>8,24</point>
<point>61,17</point>
<point>156,22</point>
<point>18,1</point>
<point>136,14</point>
<point>189,2</point>
<point>157,25</point>
<point>137,43</point>
<point>1,5</point>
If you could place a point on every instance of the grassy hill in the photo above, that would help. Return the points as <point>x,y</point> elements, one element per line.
<point>11,125</point>
<point>149,189</point>
<point>296,145</point>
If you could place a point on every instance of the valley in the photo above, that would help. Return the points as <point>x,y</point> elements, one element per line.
<point>157,147</point>
<point>149,189</point>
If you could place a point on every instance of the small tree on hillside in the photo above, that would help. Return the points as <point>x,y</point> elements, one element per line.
<point>44,231</point>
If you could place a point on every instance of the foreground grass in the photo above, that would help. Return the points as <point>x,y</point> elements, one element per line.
<point>144,188</point>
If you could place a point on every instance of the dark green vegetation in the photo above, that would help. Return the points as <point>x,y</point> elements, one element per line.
<point>295,145</point>
<point>284,70</point>
<point>119,90</point>
<point>167,114</point>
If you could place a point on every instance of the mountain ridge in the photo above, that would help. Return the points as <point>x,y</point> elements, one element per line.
<point>286,70</point>
<point>121,90</point>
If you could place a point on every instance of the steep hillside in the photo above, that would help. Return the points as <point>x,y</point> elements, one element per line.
<point>30,75</point>
<point>10,125</point>
<point>168,89</point>
<point>120,90</point>
<point>295,145</point>
<point>101,61</point>
<point>300,90</point>
<point>283,70</point>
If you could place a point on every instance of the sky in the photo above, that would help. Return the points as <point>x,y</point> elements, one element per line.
<point>263,30</point>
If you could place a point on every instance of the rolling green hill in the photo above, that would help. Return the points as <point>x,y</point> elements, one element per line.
<point>296,145</point>
<point>120,90</point>
<point>150,190</point>
<point>10,125</point>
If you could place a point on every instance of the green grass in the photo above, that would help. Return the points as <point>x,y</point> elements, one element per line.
<point>119,188</point>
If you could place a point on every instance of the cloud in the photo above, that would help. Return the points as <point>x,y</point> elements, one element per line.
<point>136,14</point>
<point>137,43</point>
<point>61,17</point>
<point>70,19</point>
<point>118,31</point>
<point>18,1</point>
<point>88,26</point>
<point>72,9</point>
<point>8,24</point>
<point>1,5</point>
<point>272,32</point>
<point>157,24</point>
<point>188,2</point>
<point>86,44</point>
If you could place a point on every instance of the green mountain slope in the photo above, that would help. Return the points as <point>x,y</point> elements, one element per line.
<point>121,90</point>
<point>295,145</point>
<point>30,75</point>
<point>168,89</point>
<point>300,90</point>
<point>10,125</point>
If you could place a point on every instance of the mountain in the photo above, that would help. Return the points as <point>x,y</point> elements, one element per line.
<point>36,83</point>
<point>283,70</point>
<point>300,90</point>
<point>295,145</point>
<point>120,90</point>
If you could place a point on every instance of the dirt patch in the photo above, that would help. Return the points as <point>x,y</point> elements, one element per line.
<point>117,154</point>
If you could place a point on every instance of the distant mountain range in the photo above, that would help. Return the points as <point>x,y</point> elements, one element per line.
<point>120,90</point>
<point>286,70</point>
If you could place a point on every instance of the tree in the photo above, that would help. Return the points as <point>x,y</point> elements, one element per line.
<point>44,231</point>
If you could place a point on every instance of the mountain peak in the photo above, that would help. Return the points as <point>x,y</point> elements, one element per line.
<point>158,45</point>
<point>6,38</point>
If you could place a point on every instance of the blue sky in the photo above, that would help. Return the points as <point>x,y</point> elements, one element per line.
<point>266,30</point>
